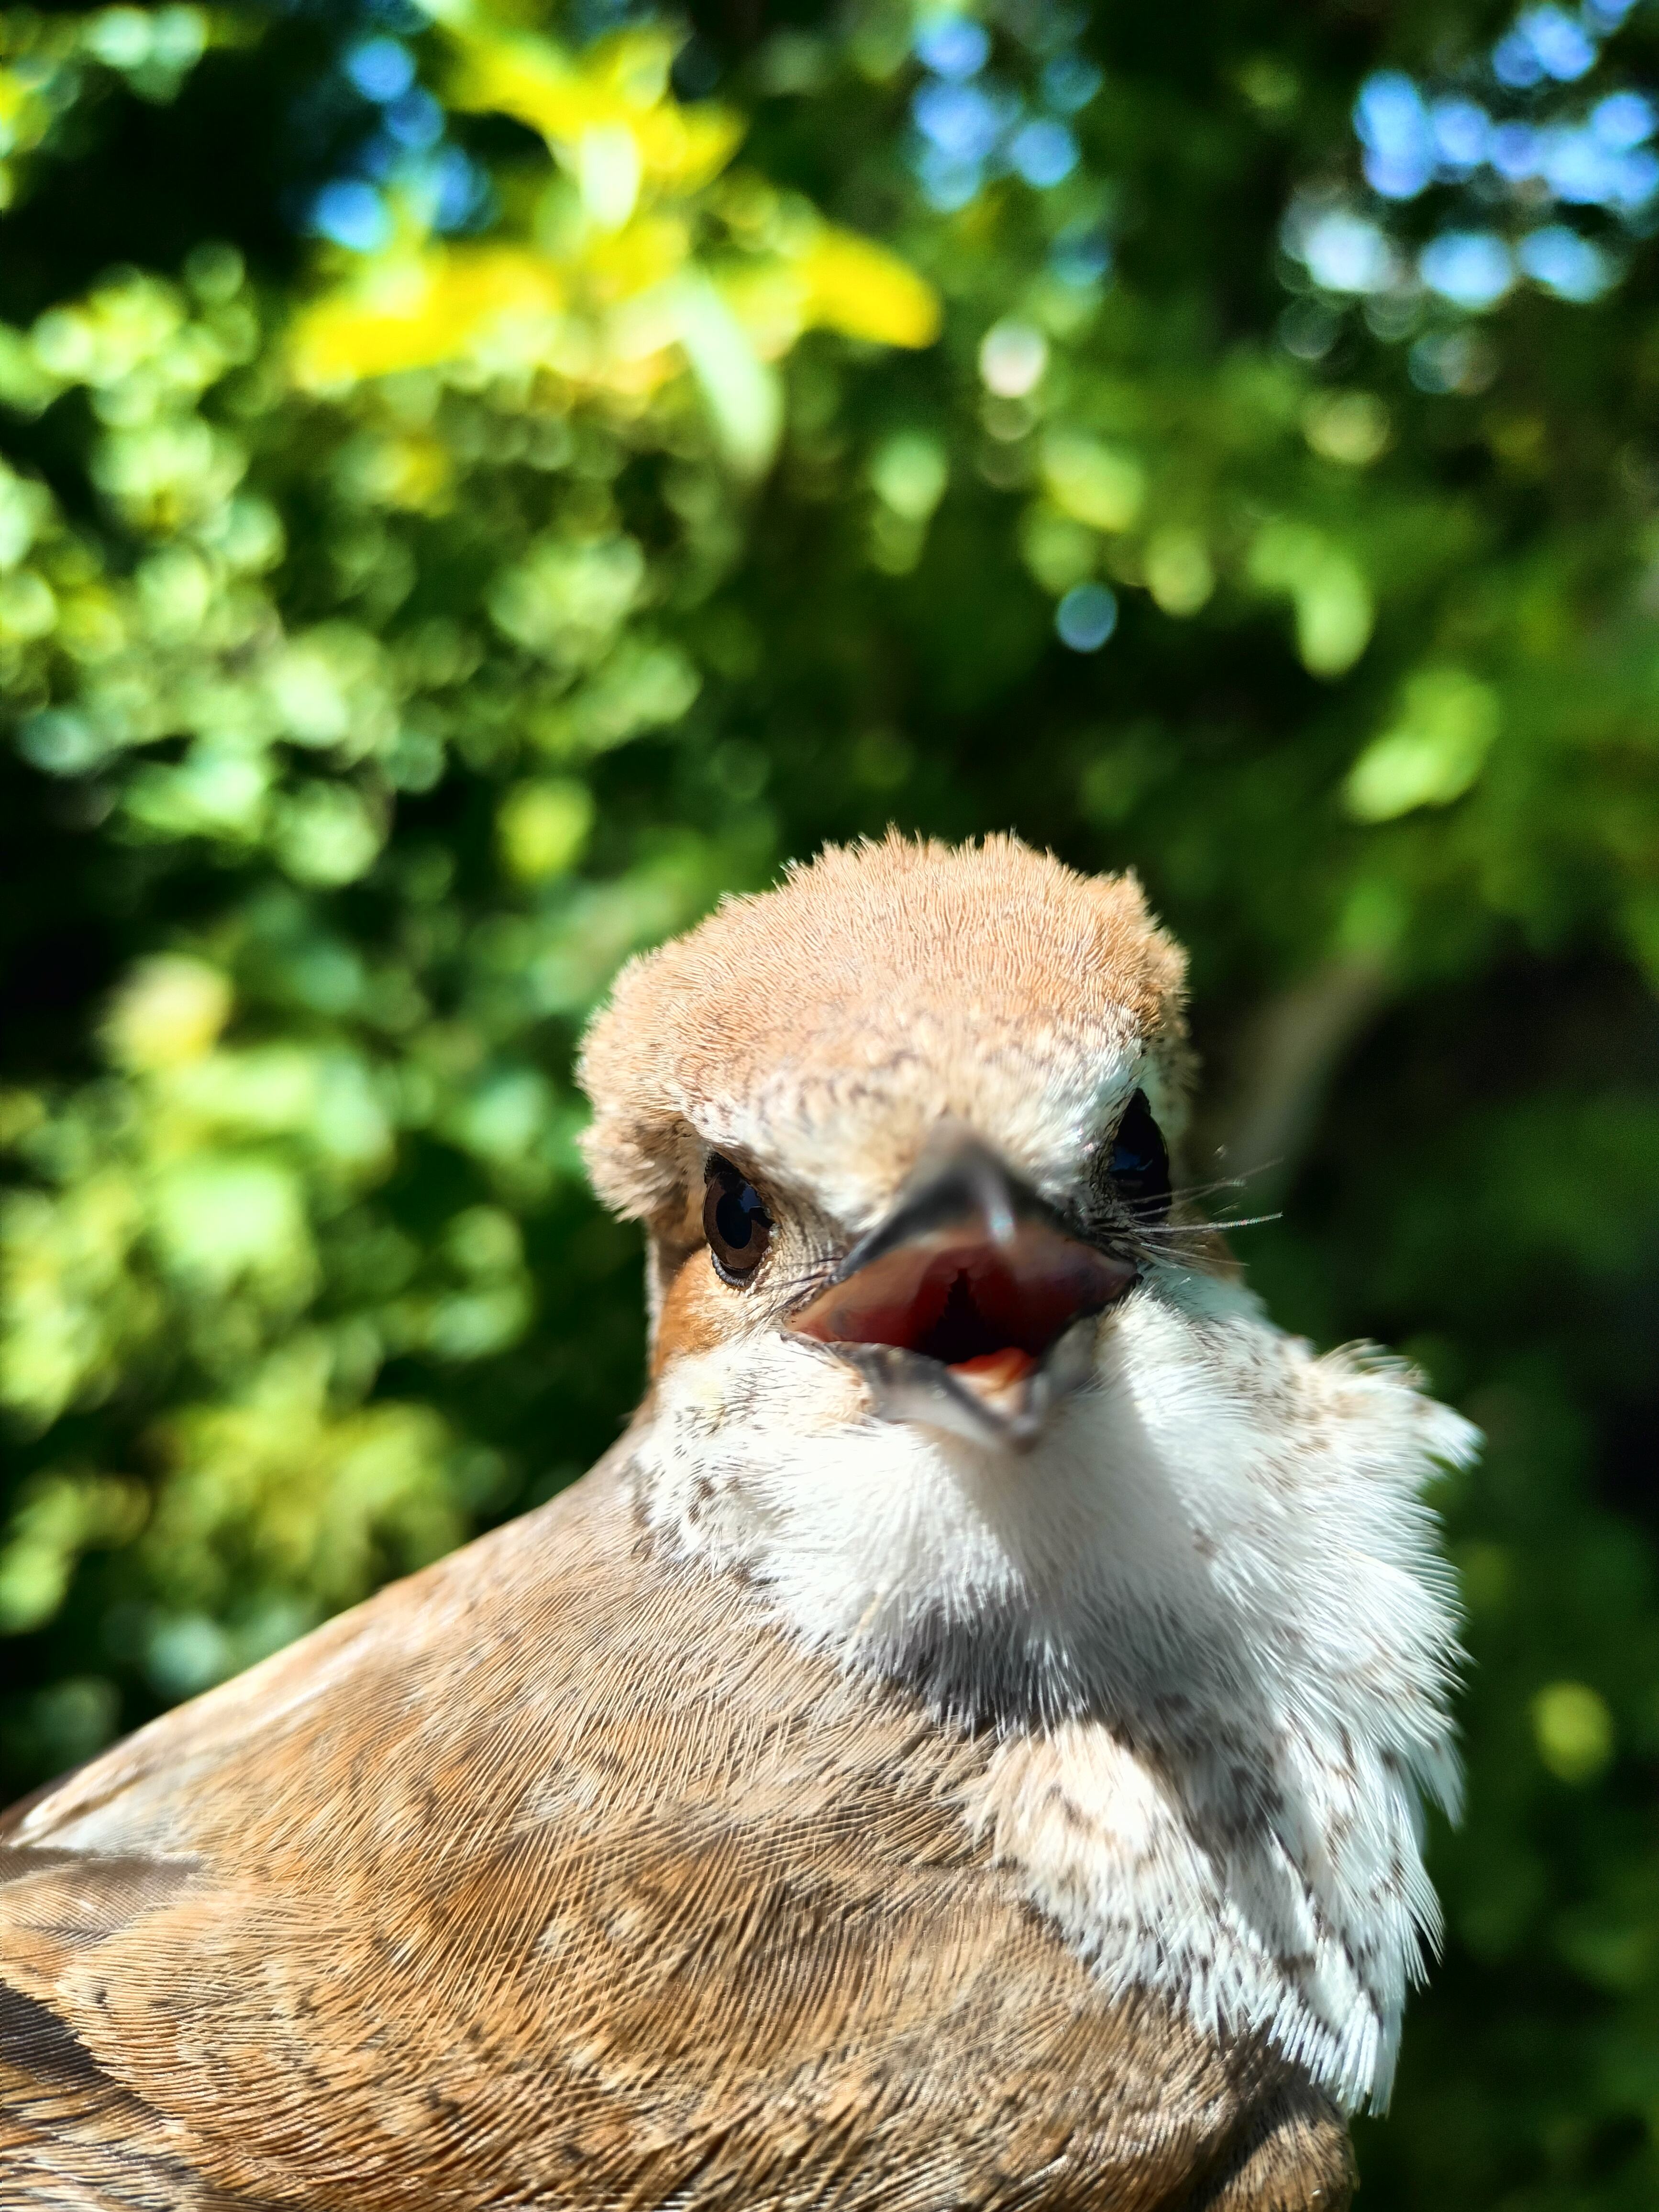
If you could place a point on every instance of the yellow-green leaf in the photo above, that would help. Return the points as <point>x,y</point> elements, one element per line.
<point>1432,753</point>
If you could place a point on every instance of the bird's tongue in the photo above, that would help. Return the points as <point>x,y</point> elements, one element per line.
<point>989,1310</point>
<point>998,1370</point>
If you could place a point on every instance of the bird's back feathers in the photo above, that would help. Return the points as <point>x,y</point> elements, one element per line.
<point>559,1875</point>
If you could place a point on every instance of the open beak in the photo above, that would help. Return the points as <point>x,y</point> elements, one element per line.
<point>971,1307</point>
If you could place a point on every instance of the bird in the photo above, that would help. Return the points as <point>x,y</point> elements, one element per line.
<point>964,1745</point>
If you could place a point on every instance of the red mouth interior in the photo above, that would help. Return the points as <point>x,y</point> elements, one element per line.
<point>972,1303</point>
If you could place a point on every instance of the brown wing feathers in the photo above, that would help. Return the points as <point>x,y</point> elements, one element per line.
<point>558,1878</point>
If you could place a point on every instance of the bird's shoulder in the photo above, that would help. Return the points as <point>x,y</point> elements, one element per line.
<point>561,1874</point>
<point>354,1697</point>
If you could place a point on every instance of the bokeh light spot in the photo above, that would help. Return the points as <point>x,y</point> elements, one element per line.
<point>352,214</point>
<point>381,69</point>
<point>1573,1730</point>
<point>1043,152</point>
<point>952,46</point>
<point>1013,356</point>
<point>1086,617</point>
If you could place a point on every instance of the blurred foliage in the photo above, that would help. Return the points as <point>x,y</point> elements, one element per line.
<point>473,487</point>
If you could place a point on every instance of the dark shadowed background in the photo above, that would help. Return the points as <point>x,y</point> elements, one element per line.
<point>476,486</point>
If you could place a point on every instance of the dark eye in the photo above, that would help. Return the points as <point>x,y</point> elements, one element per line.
<point>1141,1161</point>
<point>738,1227</point>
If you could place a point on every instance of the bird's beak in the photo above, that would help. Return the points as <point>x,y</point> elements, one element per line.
<point>971,1307</point>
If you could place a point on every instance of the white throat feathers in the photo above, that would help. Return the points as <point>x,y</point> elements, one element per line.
<point>1188,1586</point>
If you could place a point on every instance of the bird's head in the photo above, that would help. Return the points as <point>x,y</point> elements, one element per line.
<point>911,1115</point>
<point>935,1354</point>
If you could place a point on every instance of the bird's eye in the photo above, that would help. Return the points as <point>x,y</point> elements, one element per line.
<point>1141,1161</point>
<point>738,1227</point>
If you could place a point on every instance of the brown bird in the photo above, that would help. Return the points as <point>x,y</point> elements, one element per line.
<point>962,1748</point>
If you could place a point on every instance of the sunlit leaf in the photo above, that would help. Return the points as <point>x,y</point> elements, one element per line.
<point>587,106</point>
<point>441,306</point>
<point>858,288</point>
<point>1335,608</point>
<point>1432,753</point>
